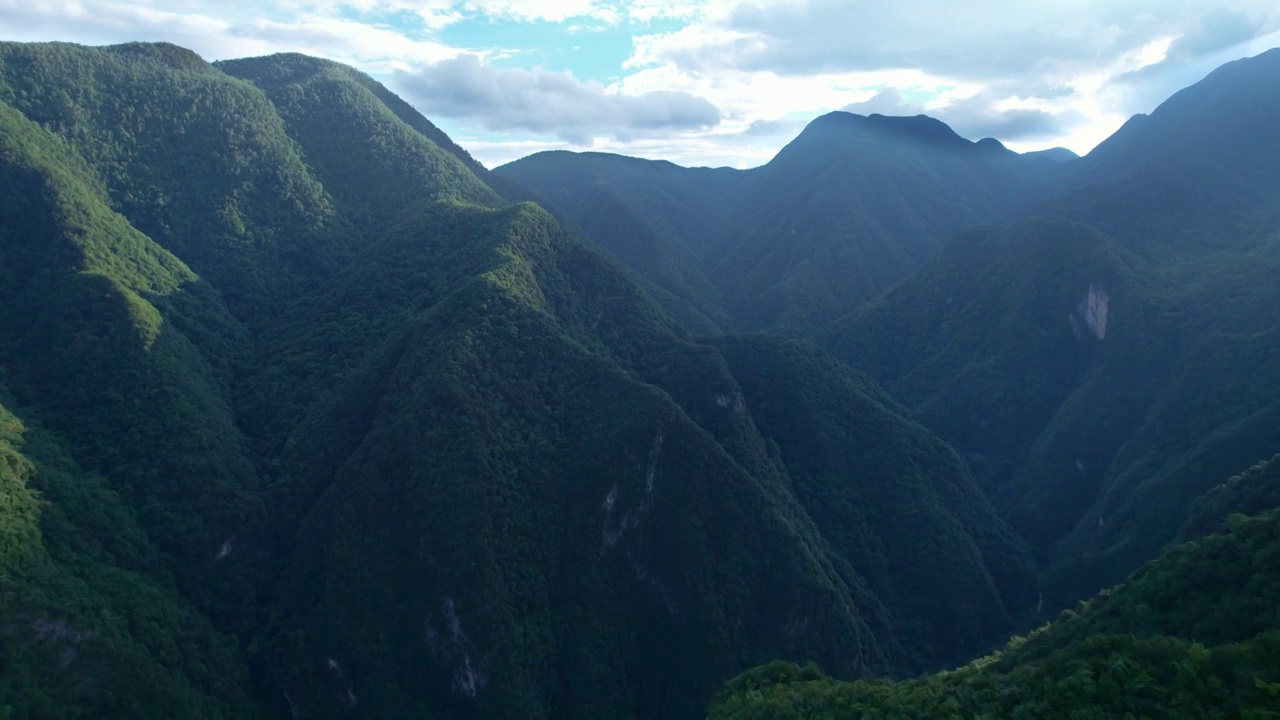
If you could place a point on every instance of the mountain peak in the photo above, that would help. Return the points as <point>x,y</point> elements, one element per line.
<point>921,129</point>
<point>1056,154</point>
<point>1226,119</point>
<point>993,146</point>
<point>165,53</point>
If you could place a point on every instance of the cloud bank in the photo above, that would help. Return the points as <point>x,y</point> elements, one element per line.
<point>714,81</point>
<point>548,103</point>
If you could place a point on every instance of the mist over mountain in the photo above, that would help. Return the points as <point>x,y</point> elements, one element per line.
<point>305,413</point>
<point>847,209</point>
<point>1143,324</point>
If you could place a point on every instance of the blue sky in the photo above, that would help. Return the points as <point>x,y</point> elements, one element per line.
<point>713,82</point>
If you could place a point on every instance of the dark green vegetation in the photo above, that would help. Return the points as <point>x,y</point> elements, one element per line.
<point>851,206</point>
<point>1099,363</point>
<point>1113,358</point>
<point>304,413</point>
<point>1194,634</point>
<point>301,414</point>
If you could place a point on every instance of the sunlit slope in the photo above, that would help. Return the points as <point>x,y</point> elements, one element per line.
<point>302,416</point>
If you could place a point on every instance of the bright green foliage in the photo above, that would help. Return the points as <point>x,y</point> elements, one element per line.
<point>299,416</point>
<point>19,503</point>
<point>1251,492</point>
<point>378,168</point>
<point>142,118</point>
<point>1127,653</point>
<point>1101,677</point>
<point>92,623</point>
<point>316,423</point>
<point>1219,589</point>
<point>482,409</point>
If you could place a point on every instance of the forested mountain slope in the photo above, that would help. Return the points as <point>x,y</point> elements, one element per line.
<point>1194,633</point>
<point>1098,366</point>
<point>301,414</point>
<point>1224,118</point>
<point>1093,364</point>
<point>848,208</point>
<point>855,204</point>
<point>301,417</point>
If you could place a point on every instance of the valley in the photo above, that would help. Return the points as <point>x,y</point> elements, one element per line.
<point>306,413</point>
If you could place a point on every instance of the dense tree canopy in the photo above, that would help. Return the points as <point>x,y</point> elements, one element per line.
<point>304,413</point>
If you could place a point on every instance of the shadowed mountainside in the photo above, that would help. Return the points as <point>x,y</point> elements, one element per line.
<point>301,416</point>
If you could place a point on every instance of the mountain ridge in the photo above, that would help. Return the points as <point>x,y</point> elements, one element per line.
<point>355,423</point>
<point>304,412</point>
<point>850,206</point>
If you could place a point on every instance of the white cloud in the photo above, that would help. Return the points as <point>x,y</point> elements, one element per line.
<point>711,149</point>
<point>644,11</point>
<point>548,10</point>
<point>215,33</point>
<point>1031,74</point>
<point>549,103</point>
<point>732,82</point>
<point>973,40</point>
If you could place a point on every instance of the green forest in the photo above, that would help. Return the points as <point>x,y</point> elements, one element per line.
<point>1191,634</point>
<point>305,413</point>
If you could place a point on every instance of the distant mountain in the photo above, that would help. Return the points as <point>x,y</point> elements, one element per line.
<point>1095,368</point>
<point>855,204</point>
<point>304,413</point>
<point>1057,154</point>
<point>851,206</point>
<point>299,416</point>
<point>655,217</point>
<point>1225,119</point>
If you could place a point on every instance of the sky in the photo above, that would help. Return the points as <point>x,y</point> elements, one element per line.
<point>713,82</point>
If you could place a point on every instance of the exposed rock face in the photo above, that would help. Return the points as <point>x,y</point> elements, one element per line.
<point>1092,311</point>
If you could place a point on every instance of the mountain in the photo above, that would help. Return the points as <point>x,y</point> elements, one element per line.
<point>851,206</point>
<point>301,415</point>
<point>1114,352</point>
<point>654,216</point>
<point>1224,119</point>
<point>305,413</point>
<point>1193,633</point>
<point>1056,154</point>
<point>856,204</point>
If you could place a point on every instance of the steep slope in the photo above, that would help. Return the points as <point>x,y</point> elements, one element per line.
<point>672,516</point>
<point>1089,391</point>
<point>988,358</point>
<point>1224,119</point>
<point>1096,371</point>
<point>301,417</point>
<point>109,559</point>
<point>906,527</point>
<point>1193,634</point>
<point>1249,493</point>
<point>1195,180</point>
<point>142,117</point>
<point>657,218</point>
<point>851,206</point>
<point>378,168</point>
